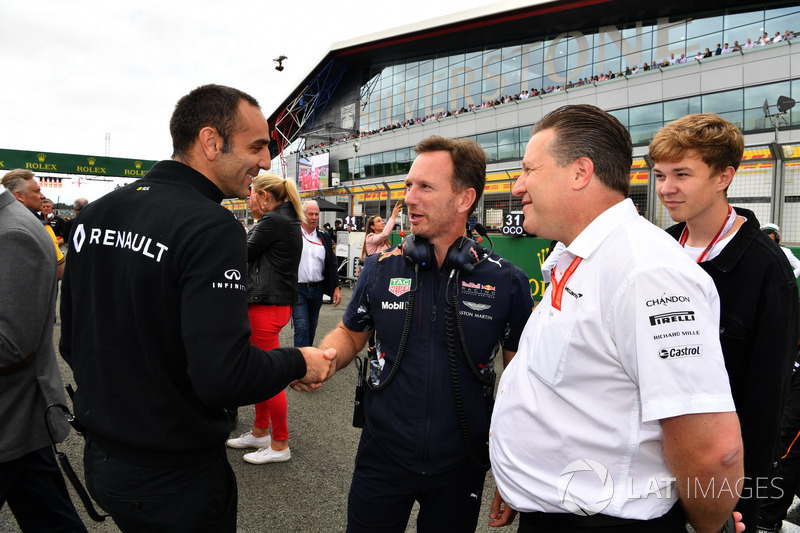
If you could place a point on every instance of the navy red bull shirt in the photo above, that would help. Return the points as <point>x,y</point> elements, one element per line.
<point>414,419</point>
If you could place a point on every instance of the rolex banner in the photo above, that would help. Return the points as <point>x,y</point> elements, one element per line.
<point>74,164</point>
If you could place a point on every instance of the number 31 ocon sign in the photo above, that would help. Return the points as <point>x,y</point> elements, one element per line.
<point>512,225</point>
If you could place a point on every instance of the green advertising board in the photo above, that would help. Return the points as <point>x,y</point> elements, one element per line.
<point>74,164</point>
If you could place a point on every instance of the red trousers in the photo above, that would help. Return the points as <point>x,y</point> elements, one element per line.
<point>266,322</point>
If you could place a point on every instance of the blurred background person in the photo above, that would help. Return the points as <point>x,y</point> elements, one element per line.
<point>377,240</point>
<point>774,233</point>
<point>274,246</point>
<point>23,185</point>
<point>55,221</point>
<point>317,275</point>
<point>77,206</point>
<point>377,237</point>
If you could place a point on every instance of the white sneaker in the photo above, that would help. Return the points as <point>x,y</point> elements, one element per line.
<point>247,440</point>
<point>268,455</point>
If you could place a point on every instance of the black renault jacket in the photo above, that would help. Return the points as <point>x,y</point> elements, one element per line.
<point>154,320</point>
<point>759,329</point>
<point>274,248</point>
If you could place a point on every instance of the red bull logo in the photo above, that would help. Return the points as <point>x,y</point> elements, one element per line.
<point>384,255</point>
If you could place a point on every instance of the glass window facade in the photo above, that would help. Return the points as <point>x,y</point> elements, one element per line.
<point>743,107</point>
<point>429,86</point>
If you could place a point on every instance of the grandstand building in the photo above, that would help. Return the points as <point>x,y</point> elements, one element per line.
<point>347,132</point>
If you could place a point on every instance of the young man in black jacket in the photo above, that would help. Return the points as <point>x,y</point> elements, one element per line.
<point>695,160</point>
<point>155,326</point>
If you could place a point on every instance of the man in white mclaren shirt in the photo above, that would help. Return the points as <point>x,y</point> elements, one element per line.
<point>616,411</point>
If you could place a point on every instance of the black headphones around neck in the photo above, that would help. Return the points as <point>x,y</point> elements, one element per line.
<point>462,255</point>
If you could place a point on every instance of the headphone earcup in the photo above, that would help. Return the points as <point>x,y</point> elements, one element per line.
<point>417,251</point>
<point>462,256</point>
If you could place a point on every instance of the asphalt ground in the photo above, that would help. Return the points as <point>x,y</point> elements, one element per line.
<point>308,493</point>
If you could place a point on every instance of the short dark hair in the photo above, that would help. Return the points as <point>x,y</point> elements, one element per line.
<point>588,131</point>
<point>469,163</point>
<point>770,231</point>
<point>208,105</point>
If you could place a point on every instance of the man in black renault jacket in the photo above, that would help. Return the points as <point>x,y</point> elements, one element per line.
<point>155,328</point>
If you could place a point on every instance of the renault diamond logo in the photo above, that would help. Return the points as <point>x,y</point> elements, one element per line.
<point>79,237</point>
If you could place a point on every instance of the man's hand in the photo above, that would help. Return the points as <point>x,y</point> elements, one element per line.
<point>501,514</point>
<point>320,366</point>
<point>337,296</point>
<point>342,342</point>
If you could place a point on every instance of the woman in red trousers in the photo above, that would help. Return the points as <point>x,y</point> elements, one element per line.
<point>274,246</point>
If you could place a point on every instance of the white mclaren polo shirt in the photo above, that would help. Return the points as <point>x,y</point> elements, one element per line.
<point>576,422</point>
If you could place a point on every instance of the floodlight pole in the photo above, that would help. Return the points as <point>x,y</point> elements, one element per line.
<point>356,146</point>
<point>777,123</point>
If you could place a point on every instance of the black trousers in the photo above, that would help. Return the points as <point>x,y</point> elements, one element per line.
<point>198,498</point>
<point>786,479</point>
<point>383,493</point>
<point>672,522</point>
<point>37,495</point>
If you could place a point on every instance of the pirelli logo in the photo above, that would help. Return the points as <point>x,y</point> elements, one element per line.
<point>668,318</point>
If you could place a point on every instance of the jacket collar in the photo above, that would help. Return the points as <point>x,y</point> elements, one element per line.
<point>736,248</point>
<point>593,235</point>
<point>36,214</point>
<point>6,198</point>
<point>284,209</point>
<point>171,171</point>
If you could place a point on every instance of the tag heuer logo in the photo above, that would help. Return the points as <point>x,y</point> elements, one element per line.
<point>399,286</point>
